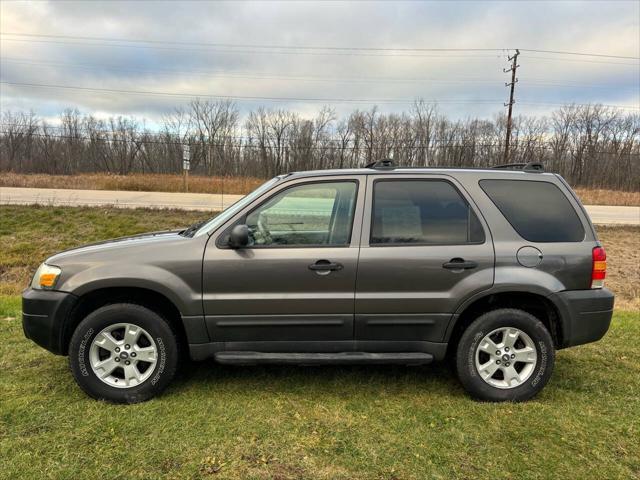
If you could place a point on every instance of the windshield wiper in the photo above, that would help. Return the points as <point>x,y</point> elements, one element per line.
<point>190,231</point>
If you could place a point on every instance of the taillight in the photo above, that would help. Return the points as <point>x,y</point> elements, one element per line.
<point>599,267</point>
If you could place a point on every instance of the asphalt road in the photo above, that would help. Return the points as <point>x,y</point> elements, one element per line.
<point>600,214</point>
<point>116,198</point>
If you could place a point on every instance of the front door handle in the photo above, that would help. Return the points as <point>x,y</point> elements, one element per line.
<point>459,264</point>
<point>325,266</point>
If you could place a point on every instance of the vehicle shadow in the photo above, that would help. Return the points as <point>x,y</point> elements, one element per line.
<point>361,379</point>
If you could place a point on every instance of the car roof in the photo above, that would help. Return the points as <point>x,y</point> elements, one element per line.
<point>453,171</point>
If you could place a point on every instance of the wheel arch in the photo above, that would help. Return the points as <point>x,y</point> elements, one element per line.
<point>535,303</point>
<point>99,297</point>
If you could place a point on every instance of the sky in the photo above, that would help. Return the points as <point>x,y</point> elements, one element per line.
<point>301,55</point>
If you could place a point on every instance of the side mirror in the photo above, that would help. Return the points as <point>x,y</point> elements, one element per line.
<point>239,236</point>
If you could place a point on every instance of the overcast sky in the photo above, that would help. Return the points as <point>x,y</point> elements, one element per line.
<point>232,49</point>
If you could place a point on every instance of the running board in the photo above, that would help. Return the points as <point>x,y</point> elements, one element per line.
<point>349,358</point>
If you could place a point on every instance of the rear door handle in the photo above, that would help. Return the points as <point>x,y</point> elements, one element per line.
<point>459,264</point>
<point>325,266</point>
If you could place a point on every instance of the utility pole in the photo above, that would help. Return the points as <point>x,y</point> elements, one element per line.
<point>512,85</point>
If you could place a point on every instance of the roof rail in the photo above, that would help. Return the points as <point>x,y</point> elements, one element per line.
<point>385,164</point>
<point>531,167</point>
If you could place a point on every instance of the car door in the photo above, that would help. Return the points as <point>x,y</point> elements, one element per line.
<point>424,249</point>
<point>295,281</point>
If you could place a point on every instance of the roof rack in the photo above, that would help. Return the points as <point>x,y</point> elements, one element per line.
<point>385,164</point>
<point>531,167</point>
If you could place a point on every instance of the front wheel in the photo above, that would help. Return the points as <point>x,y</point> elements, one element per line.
<point>505,355</point>
<point>123,353</point>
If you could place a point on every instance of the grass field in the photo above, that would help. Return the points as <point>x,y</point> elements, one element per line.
<point>330,423</point>
<point>297,423</point>
<point>230,185</point>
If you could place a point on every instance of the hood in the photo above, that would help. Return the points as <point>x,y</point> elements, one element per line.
<point>134,241</point>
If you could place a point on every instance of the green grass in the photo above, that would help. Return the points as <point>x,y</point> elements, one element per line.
<point>9,307</point>
<point>347,423</point>
<point>286,422</point>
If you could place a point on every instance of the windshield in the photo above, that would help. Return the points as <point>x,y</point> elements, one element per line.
<point>230,211</point>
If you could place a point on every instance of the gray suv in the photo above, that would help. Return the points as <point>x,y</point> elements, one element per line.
<point>495,269</point>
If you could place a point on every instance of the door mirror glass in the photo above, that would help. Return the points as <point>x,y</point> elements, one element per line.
<point>239,236</point>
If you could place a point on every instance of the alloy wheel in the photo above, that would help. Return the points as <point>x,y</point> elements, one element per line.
<point>506,357</point>
<point>123,355</point>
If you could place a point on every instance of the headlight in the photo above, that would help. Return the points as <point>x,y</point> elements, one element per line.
<point>45,277</point>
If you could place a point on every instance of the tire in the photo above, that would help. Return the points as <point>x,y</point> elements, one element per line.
<point>98,347</point>
<point>476,359</point>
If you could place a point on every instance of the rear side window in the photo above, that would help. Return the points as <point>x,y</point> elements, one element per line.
<point>422,212</point>
<point>538,211</point>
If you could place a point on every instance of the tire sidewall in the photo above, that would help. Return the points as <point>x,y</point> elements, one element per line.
<point>100,319</point>
<point>485,324</point>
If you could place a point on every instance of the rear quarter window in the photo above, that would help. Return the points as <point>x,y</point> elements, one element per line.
<point>537,210</point>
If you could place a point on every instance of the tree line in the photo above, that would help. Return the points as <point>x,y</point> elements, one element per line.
<point>590,145</point>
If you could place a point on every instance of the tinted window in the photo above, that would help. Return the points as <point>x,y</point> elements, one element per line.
<point>538,211</point>
<point>310,214</point>
<point>422,212</point>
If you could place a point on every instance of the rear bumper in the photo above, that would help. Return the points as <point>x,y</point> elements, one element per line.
<point>585,315</point>
<point>43,316</point>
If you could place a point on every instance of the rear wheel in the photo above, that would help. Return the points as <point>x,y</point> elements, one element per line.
<point>505,355</point>
<point>123,353</point>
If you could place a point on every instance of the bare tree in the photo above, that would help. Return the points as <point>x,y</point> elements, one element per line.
<point>589,145</point>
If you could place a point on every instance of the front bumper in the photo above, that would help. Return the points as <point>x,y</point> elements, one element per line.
<point>585,315</point>
<point>43,317</point>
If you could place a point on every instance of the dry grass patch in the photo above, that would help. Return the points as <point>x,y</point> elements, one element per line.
<point>598,196</point>
<point>134,182</point>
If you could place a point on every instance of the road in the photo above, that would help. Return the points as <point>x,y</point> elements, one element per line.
<point>122,199</point>
<point>600,214</point>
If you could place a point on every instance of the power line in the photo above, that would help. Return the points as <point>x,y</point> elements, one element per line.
<point>254,45</point>
<point>581,54</point>
<point>442,55</point>
<point>295,99</point>
<point>303,78</point>
<point>242,97</point>
<point>575,60</point>
<point>249,75</point>
<point>311,47</point>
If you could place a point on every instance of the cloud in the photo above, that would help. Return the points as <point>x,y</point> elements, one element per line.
<point>464,83</point>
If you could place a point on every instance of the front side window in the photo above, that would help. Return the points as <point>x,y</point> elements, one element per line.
<point>317,214</point>
<point>422,212</point>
